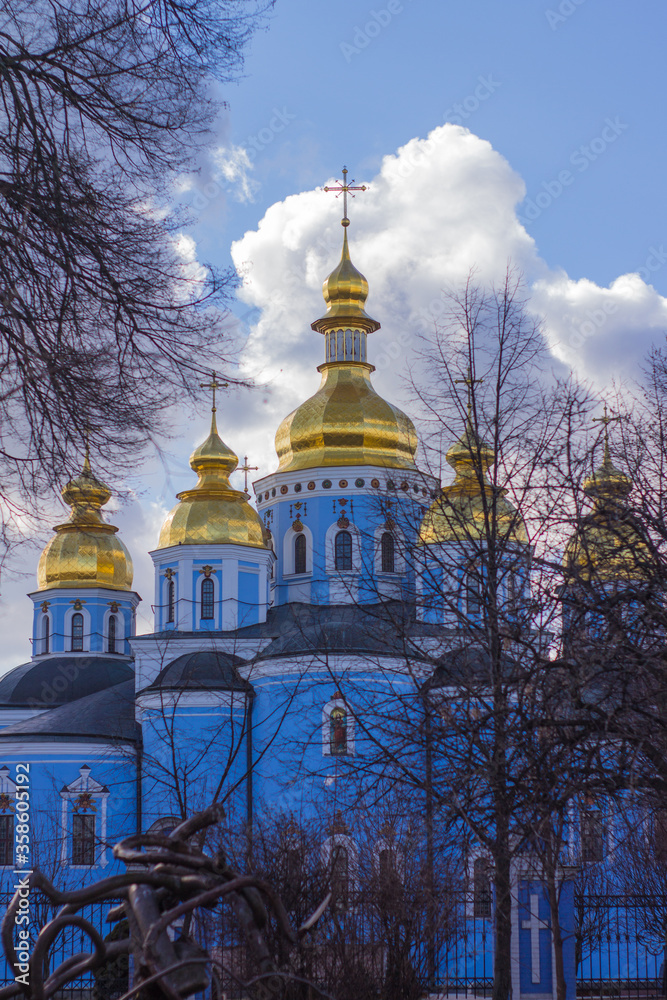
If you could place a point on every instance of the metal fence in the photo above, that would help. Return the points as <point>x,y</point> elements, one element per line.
<point>446,950</point>
<point>620,945</point>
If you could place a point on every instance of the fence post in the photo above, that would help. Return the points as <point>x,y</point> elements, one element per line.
<point>533,948</point>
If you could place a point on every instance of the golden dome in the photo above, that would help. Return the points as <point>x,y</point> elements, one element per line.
<point>346,422</point>
<point>460,514</point>
<point>345,292</point>
<point>85,551</point>
<point>213,512</point>
<point>609,543</point>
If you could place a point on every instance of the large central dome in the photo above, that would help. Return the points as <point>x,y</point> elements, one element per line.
<point>346,422</point>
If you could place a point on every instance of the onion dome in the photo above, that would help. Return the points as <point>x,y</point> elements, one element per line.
<point>346,422</point>
<point>345,292</point>
<point>462,511</point>
<point>609,543</point>
<point>213,512</point>
<point>85,551</point>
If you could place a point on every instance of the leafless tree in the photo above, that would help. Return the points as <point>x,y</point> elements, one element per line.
<point>103,324</point>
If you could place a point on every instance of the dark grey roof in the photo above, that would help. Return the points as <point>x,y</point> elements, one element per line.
<point>209,669</point>
<point>57,680</point>
<point>470,663</point>
<point>372,629</point>
<point>105,715</point>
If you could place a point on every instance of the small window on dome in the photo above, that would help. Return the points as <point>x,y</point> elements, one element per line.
<point>77,632</point>
<point>300,554</point>
<point>171,601</point>
<point>111,637</point>
<point>207,600</point>
<point>388,557</point>
<point>46,634</point>
<point>343,550</point>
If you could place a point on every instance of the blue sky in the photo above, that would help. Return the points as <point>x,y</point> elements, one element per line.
<point>559,71</point>
<point>486,131</point>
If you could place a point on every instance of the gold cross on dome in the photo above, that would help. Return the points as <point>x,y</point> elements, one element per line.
<point>605,421</point>
<point>471,383</point>
<point>343,189</point>
<point>213,385</point>
<point>245,469</point>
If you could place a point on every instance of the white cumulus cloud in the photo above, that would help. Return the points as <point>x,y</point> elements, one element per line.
<point>436,209</point>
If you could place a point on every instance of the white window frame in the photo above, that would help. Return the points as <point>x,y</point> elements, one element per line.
<point>87,629</point>
<point>288,551</point>
<point>100,794</point>
<point>330,549</point>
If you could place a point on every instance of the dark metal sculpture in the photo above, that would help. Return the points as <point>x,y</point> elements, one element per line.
<point>172,877</point>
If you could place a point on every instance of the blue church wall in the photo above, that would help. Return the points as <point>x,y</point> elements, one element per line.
<point>298,768</point>
<point>82,800</point>
<point>238,576</point>
<point>248,594</point>
<point>97,606</point>
<point>193,742</point>
<point>444,585</point>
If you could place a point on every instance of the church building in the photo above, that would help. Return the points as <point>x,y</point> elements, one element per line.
<point>270,620</point>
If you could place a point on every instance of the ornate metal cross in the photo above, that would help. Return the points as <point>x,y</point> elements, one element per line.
<point>471,383</point>
<point>343,189</point>
<point>245,469</point>
<point>213,385</point>
<point>605,421</point>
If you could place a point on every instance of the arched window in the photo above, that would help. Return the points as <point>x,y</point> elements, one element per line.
<point>340,875</point>
<point>388,558</point>
<point>111,638</point>
<point>300,554</point>
<point>338,731</point>
<point>171,601</point>
<point>77,632</point>
<point>207,599</point>
<point>46,634</point>
<point>343,550</point>
<point>83,838</point>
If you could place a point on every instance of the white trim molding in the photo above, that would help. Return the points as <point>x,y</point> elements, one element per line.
<point>84,789</point>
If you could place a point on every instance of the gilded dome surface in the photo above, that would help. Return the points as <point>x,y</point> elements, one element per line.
<point>609,543</point>
<point>346,423</point>
<point>85,551</point>
<point>462,511</point>
<point>213,512</point>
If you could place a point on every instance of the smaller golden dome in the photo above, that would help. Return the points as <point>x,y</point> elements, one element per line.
<point>609,543</point>
<point>85,551</point>
<point>213,512</point>
<point>462,511</point>
<point>607,482</point>
<point>345,292</point>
